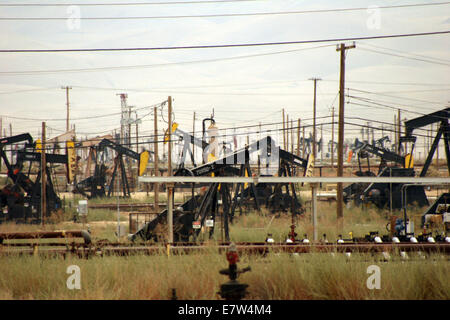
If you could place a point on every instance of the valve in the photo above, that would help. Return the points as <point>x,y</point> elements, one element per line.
<point>292,234</point>
<point>233,289</point>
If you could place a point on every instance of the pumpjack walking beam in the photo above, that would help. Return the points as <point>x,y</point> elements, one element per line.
<point>384,154</point>
<point>119,164</point>
<point>11,140</point>
<point>441,117</point>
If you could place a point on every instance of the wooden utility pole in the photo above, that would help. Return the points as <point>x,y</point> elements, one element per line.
<point>314,142</point>
<point>287,133</point>
<point>292,135</point>
<point>340,170</point>
<point>332,137</point>
<point>10,134</point>
<point>321,144</point>
<point>169,173</point>
<point>129,127</point>
<point>304,143</point>
<point>67,105</point>
<point>399,129</point>
<point>298,137</point>
<point>284,132</point>
<point>395,133</point>
<point>137,135</point>
<point>43,177</point>
<point>193,134</point>
<point>1,126</point>
<point>156,161</point>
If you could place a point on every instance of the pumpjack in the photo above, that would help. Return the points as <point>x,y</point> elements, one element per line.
<point>188,139</point>
<point>384,194</point>
<point>21,200</point>
<point>96,185</point>
<point>200,208</point>
<point>441,206</point>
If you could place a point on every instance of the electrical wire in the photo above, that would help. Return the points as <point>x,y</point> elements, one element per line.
<point>404,52</point>
<point>111,4</point>
<point>236,45</point>
<point>220,15</point>
<point>72,119</point>
<point>391,96</point>
<point>406,57</point>
<point>145,66</point>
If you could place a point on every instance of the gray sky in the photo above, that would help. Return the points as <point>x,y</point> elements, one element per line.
<point>242,91</point>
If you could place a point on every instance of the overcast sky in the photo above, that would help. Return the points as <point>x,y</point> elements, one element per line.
<point>242,91</point>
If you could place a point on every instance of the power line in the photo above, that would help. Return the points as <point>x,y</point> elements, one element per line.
<point>406,57</point>
<point>110,4</point>
<point>395,97</point>
<point>387,106</point>
<point>226,45</point>
<point>404,52</point>
<point>83,118</point>
<point>393,83</point>
<point>27,90</point>
<point>142,66</point>
<point>225,14</point>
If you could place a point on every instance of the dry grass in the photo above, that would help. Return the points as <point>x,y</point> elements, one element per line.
<point>311,276</point>
<point>195,276</point>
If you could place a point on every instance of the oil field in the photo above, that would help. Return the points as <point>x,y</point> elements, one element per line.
<point>225,150</point>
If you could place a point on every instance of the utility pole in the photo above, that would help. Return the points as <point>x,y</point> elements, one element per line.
<point>304,143</point>
<point>321,144</point>
<point>43,177</point>
<point>67,105</point>
<point>292,136</point>
<point>10,134</point>
<point>1,126</point>
<point>395,133</point>
<point>156,162</point>
<point>399,129</point>
<point>340,171</point>
<point>284,133</point>
<point>314,118</point>
<point>287,134</point>
<point>129,127</point>
<point>193,134</point>
<point>137,134</point>
<point>298,137</point>
<point>169,173</point>
<point>332,137</point>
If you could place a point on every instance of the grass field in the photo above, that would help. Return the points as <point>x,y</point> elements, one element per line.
<point>196,276</point>
<point>311,276</point>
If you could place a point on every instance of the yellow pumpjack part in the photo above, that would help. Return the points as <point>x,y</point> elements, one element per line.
<point>143,160</point>
<point>71,160</point>
<point>38,145</point>
<point>409,161</point>
<point>166,134</point>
